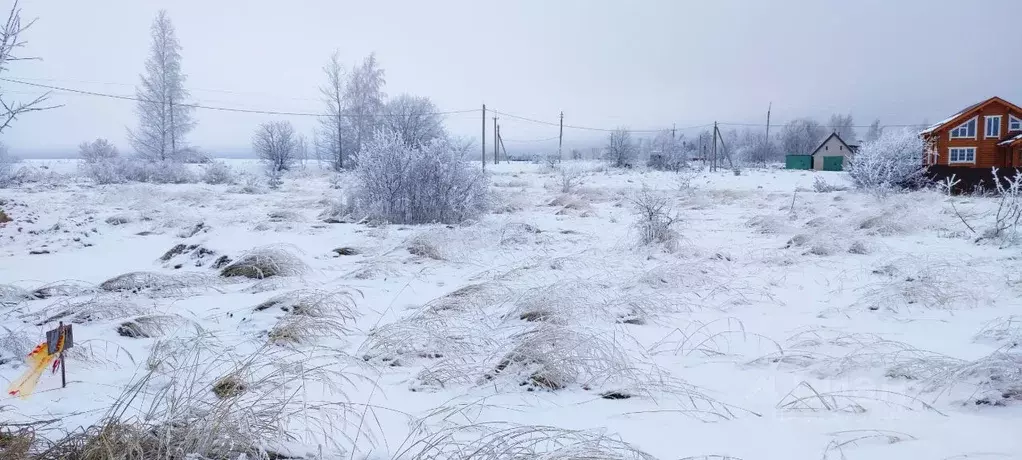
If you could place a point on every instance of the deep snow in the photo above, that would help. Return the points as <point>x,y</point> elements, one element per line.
<point>783,323</point>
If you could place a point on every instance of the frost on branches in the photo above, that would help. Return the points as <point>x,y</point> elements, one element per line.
<point>433,183</point>
<point>893,161</point>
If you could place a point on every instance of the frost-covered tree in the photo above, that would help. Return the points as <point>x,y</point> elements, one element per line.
<point>97,150</point>
<point>432,183</point>
<point>364,100</point>
<point>302,150</point>
<point>414,118</point>
<point>874,132</point>
<point>334,126</point>
<point>754,147</point>
<point>164,117</point>
<point>6,167</point>
<point>276,145</point>
<point>11,42</point>
<point>801,136</point>
<point>621,150</point>
<point>893,161</point>
<point>666,152</point>
<point>844,126</point>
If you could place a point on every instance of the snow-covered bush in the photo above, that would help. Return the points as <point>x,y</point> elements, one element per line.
<point>570,177</point>
<point>160,172</point>
<point>1008,217</point>
<point>655,220</point>
<point>892,162</point>
<point>6,167</point>
<point>667,153</point>
<point>406,185</point>
<point>217,173</point>
<point>97,150</point>
<point>104,171</point>
<point>119,170</point>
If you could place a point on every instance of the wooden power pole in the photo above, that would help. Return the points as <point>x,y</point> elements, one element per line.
<point>713,164</point>
<point>484,137</point>
<point>560,138</point>
<point>494,137</point>
<point>496,157</point>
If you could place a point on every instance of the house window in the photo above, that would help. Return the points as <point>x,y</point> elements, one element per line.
<point>1014,123</point>
<point>992,126</point>
<point>962,155</point>
<point>965,130</point>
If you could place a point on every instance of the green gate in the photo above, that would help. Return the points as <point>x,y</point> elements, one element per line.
<point>798,162</point>
<point>832,163</point>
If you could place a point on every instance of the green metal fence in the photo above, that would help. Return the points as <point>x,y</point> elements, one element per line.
<point>798,162</point>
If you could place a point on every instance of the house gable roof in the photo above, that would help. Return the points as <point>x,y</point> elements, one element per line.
<point>842,141</point>
<point>962,114</point>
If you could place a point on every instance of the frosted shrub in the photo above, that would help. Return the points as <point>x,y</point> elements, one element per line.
<point>97,151</point>
<point>217,173</point>
<point>1008,217</point>
<point>655,220</point>
<point>160,172</point>
<point>104,171</point>
<point>6,167</point>
<point>417,185</point>
<point>570,177</point>
<point>892,162</point>
<point>668,153</point>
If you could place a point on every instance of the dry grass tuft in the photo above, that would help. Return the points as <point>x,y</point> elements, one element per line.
<point>472,296</point>
<point>806,398</point>
<point>229,386</point>
<point>316,303</point>
<point>155,283</point>
<point>68,288</point>
<point>100,308</point>
<point>502,441</point>
<point>12,295</point>
<point>1005,331</point>
<point>306,330</point>
<point>16,443</point>
<point>265,262</point>
<point>427,336</point>
<point>425,246</point>
<point>150,326</point>
<point>919,283</point>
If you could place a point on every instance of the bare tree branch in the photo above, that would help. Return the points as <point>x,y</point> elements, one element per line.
<point>10,43</point>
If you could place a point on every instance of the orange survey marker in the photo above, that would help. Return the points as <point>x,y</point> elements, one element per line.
<point>52,350</point>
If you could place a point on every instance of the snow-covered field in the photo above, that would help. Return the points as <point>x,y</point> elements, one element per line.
<point>783,324</point>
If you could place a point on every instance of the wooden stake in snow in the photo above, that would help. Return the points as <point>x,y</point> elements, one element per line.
<point>58,340</point>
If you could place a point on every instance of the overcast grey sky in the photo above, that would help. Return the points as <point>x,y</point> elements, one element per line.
<point>641,63</point>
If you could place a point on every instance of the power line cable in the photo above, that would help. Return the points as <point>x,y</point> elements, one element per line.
<point>209,107</point>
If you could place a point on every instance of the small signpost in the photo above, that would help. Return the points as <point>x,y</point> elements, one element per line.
<point>58,340</point>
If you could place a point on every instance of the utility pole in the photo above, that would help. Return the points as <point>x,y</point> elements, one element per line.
<point>483,156</point>
<point>560,137</point>
<point>768,121</point>
<point>674,128</point>
<point>713,165</point>
<point>496,158</point>
<point>502,148</point>
<point>494,138</point>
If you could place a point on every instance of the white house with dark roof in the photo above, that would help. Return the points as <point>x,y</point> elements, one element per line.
<point>833,147</point>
